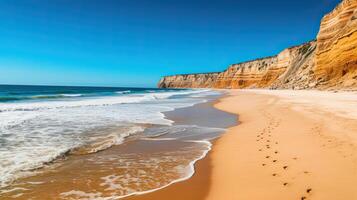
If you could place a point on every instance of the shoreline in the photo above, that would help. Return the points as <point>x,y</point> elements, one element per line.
<point>282,148</point>
<point>198,183</point>
<point>194,188</point>
<point>285,145</point>
<point>181,148</point>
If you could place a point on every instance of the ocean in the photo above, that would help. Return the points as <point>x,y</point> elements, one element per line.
<point>118,139</point>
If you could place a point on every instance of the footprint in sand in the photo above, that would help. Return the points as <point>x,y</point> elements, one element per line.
<point>285,184</point>
<point>285,167</point>
<point>307,191</point>
<point>275,161</point>
<point>276,152</point>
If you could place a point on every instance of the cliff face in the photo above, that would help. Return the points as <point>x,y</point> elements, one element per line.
<point>336,55</point>
<point>243,75</point>
<point>206,80</point>
<point>329,62</point>
<point>289,69</point>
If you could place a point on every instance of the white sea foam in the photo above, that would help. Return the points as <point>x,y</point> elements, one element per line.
<point>119,184</point>
<point>123,92</point>
<point>71,95</point>
<point>34,133</point>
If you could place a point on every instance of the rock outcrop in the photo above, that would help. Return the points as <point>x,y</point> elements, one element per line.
<point>336,54</point>
<point>328,62</point>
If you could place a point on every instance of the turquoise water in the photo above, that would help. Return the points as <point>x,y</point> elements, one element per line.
<point>9,93</point>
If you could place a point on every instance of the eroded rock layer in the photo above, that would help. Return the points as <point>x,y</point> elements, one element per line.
<point>336,55</point>
<point>289,69</point>
<point>328,62</point>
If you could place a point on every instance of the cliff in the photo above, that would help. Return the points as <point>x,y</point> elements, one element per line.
<point>205,80</point>
<point>289,69</point>
<point>336,55</point>
<point>328,62</point>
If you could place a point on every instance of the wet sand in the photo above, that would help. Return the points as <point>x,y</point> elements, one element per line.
<point>288,145</point>
<point>194,188</point>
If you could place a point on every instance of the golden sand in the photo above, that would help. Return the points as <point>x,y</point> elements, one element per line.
<point>282,149</point>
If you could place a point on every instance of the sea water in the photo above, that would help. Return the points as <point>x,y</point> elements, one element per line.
<point>42,124</point>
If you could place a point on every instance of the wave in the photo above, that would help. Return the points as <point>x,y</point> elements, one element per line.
<point>101,143</point>
<point>90,145</point>
<point>98,101</point>
<point>123,92</point>
<point>57,96</point>
<point>34,97</point>
<point>72,95</point>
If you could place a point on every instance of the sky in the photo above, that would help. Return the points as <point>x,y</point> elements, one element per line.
<point>135,42</point>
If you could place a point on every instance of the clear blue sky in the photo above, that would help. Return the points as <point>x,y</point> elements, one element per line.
<point>135,42</point>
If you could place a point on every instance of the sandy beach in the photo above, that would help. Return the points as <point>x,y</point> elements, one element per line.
<point>288,145</point>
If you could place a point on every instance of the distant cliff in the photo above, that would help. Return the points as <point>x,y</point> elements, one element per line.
<point>328,62</point>
<point>206,80</point>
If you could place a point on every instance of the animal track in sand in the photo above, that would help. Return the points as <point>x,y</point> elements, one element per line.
<point>285,184</point>
<point>308,190</point>
<point>303,198</point>
<point>276,152</point>
<point>274,174</point>
<point>267,156</point>
<point>275,160</point>
<point>285,167</point>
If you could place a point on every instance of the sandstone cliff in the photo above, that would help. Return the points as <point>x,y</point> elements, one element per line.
<point>328,62</point>
<point>205,80</point>
<point>289,69</point>
<point>336,55</point>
